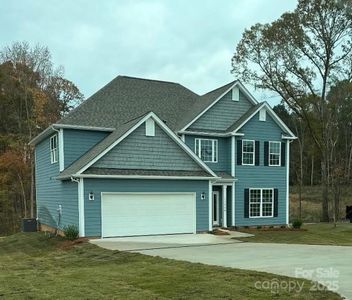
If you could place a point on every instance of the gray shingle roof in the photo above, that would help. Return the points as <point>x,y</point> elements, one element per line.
<point>107,171</point>
<point>124,98</point>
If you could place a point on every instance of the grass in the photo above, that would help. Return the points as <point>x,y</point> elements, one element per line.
<point>313,234</point>
<point>311,202</point>
<point>33,266</point>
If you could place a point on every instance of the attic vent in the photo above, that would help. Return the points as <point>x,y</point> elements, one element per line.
<point>235,94</point>
<point>262,115</point>
<point>150,127</point>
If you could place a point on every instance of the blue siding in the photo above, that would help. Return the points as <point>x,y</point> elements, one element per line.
<point>97,186</point>
<point>139,151</point>
<point>50,193</point>
<point>260,176</point>
<point>78,142</point>
<point>223,114</point>
<point>224,152</point>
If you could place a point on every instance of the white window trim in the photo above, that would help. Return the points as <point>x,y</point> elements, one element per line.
<point>271,165</point>
<point>252,164</point>
<point>214,144</point>
<point>54,151</point>
<point>261,203</point>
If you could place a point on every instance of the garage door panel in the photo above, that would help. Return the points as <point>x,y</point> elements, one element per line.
<point>143,214</point>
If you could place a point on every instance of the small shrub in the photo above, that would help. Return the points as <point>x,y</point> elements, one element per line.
<point>297,223</point>
<point>259,227</point>
<point>71,232</point>
<point>271,226</point>
<point>283,226</point>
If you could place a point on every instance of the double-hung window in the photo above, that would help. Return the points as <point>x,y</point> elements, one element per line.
<point>261,203</point>
<point>207,150</point>
<point>248,149</point>
<point>274,153</point>
<point>53,149</point>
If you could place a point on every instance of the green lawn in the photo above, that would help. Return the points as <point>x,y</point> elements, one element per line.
<point>314,234</point>
<point>33,266</point>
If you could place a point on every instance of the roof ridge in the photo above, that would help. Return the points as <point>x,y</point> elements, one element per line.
<point>231,82</point>
<point>148,79</point>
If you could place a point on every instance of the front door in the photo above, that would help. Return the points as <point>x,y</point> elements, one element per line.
<point>216,207</point>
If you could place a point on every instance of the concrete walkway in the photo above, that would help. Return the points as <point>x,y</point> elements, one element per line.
<point>330,265</point>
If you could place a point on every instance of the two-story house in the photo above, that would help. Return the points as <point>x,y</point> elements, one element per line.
<point>143,157</point>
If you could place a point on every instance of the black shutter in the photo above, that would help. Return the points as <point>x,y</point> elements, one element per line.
<point>246,203</point>
<point>283,154</point>
<point>239,152</point>
<point>266,153</point>
<point>276,202</point>
<point>257,152</point>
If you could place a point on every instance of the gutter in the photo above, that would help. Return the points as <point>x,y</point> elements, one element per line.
<point>75,176</point>
<point>55,127</point>
<point>203,133</point>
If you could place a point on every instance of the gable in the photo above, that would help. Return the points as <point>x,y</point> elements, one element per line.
<point>224,113</point>
<point>267,130</point>
<point>138,151</point>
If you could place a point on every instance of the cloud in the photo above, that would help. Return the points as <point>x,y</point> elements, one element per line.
<point>190,42</point>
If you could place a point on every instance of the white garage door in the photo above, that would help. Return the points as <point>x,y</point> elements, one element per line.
<point>126,214</point>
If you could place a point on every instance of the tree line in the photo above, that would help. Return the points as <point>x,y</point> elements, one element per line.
<point>33,94</point>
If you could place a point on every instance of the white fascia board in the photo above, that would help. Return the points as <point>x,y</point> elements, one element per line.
<point>52,127</point>
<point>239,85</point>
<point>81,127</point>
<point>162,126</point>
<point>145,177</point>
<point>48,131</point>
<point>203,133</point>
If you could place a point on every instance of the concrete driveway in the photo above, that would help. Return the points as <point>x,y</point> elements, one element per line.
<point>330,265</point>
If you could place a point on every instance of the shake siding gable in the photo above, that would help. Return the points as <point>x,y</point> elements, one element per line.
<point>138,151</point>
<point>223,114</point>
<point>50,193</point>
<point>78,142</point>
<point>260,176</point>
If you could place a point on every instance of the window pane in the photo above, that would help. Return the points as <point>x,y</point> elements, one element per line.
<point>248,146</point>
<point>274,153</point>
<point>248,158</point>
<point>254,210</point>
<point>206,149</point>
<point>267,209</point>
<point>267,195</point>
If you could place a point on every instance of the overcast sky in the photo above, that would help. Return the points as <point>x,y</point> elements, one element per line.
<point>190,42</point>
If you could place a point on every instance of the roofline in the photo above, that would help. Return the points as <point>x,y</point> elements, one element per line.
<point>52,128</point>
<point>165,128</point>
<point>273,114</point>
<point>138,177</point>
<point>236,83</point>
<point>215,134</point>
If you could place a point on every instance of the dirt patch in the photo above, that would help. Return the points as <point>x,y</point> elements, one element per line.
<point>67,244</point>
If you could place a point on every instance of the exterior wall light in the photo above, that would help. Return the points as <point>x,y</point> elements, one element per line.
<point>91,196</point>
<point>202,196</point>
